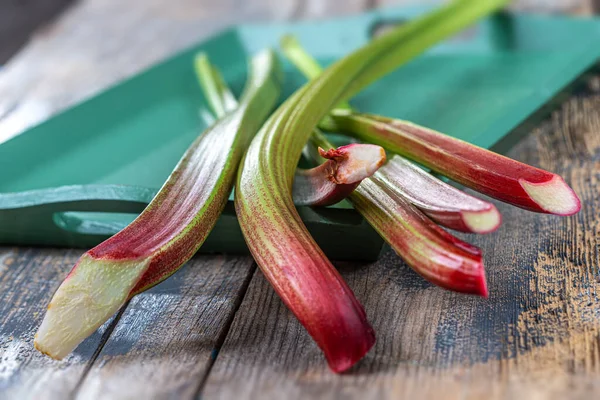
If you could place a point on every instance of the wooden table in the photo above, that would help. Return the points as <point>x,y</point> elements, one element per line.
<point>216,329</point>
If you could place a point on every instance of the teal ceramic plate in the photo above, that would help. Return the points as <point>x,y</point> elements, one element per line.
<point>84,174</point>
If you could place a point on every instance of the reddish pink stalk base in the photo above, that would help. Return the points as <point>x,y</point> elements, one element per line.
<point>482,170</point>
<point>439,257</point>
<point>336,178</point>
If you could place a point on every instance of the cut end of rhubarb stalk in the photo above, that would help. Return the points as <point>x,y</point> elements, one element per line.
<point>482,221</point>
<point>441,202</point>
<point>334,180</point>
<point>553,196</point>
<point>91,294</point>
<point>355,162</point>
<point>482,170</point>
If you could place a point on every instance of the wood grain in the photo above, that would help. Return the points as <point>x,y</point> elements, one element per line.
<point>167,338</point>
<point>537,336</point>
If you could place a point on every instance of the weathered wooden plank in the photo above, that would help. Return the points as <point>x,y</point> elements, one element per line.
<point>168,337</point>
<point>537,336</point>
<point>28,278</point>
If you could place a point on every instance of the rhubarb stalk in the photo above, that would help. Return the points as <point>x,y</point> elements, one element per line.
<point>216,92</point>
<point>432,252</point>
<point>280,243</point>
<point>169,231</point>
<point>482,170</point>
<point>441,202</point>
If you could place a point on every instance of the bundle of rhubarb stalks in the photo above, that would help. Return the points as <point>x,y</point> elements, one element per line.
<point>256,151</point>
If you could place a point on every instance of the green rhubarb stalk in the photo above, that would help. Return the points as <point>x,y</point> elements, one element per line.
<point>284,250</point>
<point>169,231</point>
<point>220,98</point>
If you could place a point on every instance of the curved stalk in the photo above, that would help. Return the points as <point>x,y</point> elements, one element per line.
<point>169,231</point>
<point>290,259</point>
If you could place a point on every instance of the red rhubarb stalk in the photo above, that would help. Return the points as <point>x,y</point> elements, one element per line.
<point>281,245</point>
<point>290,259</point>
<point>432,252</point>
<point>487,172</point>
<point>169,231</point>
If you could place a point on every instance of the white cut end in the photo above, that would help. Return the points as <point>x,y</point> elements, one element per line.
<point>362,161</point>
<point>86,299</point>
<point>482,221</point>
<point>554,196</point>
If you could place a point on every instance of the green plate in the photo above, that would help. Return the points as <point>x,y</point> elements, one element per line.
<point>81,176</point>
